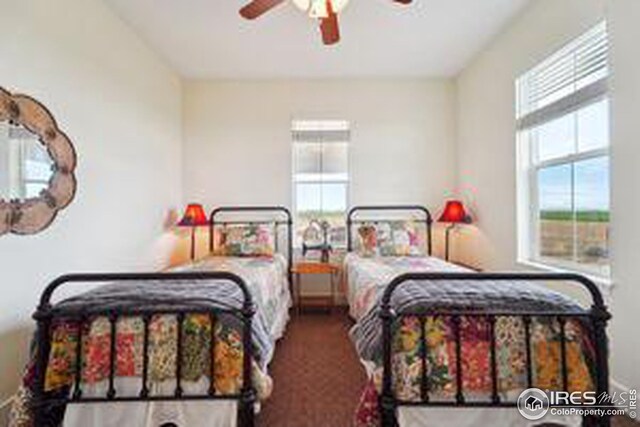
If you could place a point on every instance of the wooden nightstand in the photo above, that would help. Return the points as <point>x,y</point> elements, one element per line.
<point>310,267</point>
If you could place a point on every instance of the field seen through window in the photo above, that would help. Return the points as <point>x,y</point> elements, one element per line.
<point>581,237</point>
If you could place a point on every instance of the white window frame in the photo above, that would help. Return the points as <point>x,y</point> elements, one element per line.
<point>320,180</point>
<point>528,167</point>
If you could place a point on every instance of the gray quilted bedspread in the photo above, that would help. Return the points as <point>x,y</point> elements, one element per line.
<point>477,296</point>
<point>172,295</point>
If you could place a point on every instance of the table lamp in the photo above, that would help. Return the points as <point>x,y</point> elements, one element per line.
<point>194,216</point>
<point>454,213</point>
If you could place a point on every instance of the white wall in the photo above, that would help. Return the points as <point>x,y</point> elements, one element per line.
<point>625,153</point>
<point>486,124</point>
<point>403,139</point>
<point>122,109</point>
<point>486,147</point>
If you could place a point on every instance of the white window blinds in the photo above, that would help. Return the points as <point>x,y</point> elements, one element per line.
<point>320,131</point>
<point>565,80</point>
<point>321,150</point>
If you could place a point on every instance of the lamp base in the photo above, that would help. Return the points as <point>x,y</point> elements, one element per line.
<point>446,241</point>
<point>193,243</point>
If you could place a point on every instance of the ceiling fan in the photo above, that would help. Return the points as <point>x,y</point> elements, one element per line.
<point>326,11</point>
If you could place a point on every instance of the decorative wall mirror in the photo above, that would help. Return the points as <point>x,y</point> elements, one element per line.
<point>37,164</point>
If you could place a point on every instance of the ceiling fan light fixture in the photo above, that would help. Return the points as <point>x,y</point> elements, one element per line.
<point>319,9</point>
<point>325,12</point>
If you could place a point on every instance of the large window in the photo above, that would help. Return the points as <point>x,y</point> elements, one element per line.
<point>321,175</point>
<point>563,146</point>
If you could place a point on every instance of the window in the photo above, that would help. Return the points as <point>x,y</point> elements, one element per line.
<point>321,176</point>
<point>563,149</point>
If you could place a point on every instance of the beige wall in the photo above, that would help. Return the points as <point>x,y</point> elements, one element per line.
<point>237,147</point>
<point>486,121</point>
<point>122,108</point>
<point>486,147</point>
<point>625,153</point>
<point>402,149</point>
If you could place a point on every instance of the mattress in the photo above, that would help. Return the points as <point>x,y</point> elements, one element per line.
<point>366,275</point>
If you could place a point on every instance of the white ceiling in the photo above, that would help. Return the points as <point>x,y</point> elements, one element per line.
<point>208,39</point>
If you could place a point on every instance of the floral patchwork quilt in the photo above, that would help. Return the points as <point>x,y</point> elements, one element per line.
<point>368,276</point>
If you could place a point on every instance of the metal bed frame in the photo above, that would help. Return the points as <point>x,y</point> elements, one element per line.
<point>278,223</point>
<point>49,407</point>
<point>596,317</point>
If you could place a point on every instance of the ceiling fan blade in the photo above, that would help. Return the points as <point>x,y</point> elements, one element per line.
<point>330,28</point>
<point>403,1</point>
<point>257,8</point>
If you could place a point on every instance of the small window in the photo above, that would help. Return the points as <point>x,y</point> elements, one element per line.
<point>563,146</point>
<point>321,176</point>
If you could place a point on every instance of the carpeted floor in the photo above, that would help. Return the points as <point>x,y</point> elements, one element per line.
<point>623,422</point>
<point>317,376</point>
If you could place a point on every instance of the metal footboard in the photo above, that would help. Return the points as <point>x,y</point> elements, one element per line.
<point>596,316</point>
<point>49,406</point>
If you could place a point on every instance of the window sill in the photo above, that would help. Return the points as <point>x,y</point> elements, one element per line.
<point>603,283</point>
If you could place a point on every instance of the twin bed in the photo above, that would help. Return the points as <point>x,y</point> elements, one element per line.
<point>141,349</point>
<point>436,338</point>
<point>432,336</point>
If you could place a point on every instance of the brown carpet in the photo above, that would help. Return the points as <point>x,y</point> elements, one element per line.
<point>624,422</point>
<point>318,378</point>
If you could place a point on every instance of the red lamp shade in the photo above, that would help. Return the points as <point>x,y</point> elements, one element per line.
<point>454,212</point>
<point>194,216</point>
